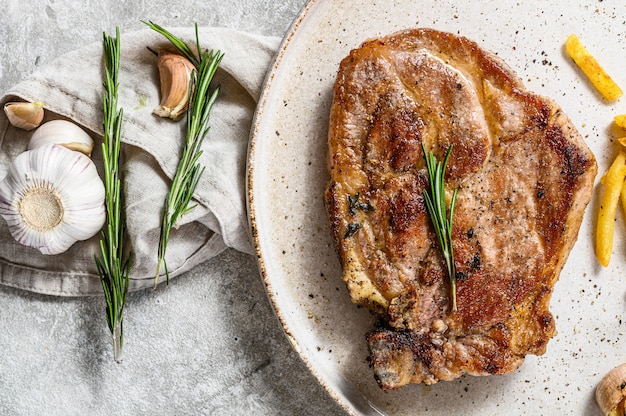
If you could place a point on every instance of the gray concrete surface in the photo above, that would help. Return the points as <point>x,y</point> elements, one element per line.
<point>207,344</point>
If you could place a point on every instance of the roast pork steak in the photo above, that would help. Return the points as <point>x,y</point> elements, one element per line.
<point>524,177</point>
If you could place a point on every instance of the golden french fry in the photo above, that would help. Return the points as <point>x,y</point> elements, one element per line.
<point>620,120</point>
<point>623,197</point>
<point>592,69</point>
<point>613,186</point>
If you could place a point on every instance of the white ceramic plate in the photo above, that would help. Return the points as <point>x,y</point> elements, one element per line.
<point>287,176</point>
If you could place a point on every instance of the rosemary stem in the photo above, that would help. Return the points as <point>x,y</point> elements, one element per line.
<point>113,265</point>
<point>117,342</point>
<point>189,170</point>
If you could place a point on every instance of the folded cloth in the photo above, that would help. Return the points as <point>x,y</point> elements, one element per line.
<point>71,88</point>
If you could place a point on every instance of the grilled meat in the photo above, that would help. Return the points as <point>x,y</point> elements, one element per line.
<point>524,177</point>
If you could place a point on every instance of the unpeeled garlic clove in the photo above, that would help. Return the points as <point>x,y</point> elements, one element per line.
<point>24,115</point>
<point>51,198</point>
<point>611,391</point>
<point>175,76</point>
<point>64,133</point>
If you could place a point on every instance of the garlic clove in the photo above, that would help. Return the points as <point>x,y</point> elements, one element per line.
<point>24,115</point>
<point>51,198</point>
<point>64,133</point>
<point>611,391</point>
<point>175,76</point>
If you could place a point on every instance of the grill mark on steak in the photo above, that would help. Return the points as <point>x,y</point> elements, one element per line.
<point>524,176</point>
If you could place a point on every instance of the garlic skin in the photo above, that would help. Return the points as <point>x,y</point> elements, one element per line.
<point>24,115</point>
<point>64,133</point>
<point>51,198</point>
<point>611,391</point>
<point>175,75</point>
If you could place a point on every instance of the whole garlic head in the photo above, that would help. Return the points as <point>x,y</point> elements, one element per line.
<point>51,198</point>
<point>64,133</point>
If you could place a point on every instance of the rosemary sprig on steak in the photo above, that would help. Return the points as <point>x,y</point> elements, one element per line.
<point>436,207</point>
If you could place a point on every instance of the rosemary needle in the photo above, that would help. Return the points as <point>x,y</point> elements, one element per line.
<point>188,171</point>
<point>114,266</point>
<point>436,207</point>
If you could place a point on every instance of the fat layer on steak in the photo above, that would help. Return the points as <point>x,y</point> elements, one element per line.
<point>524,177</point>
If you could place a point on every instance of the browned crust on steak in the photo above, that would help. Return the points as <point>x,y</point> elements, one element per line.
<point>524,175</point>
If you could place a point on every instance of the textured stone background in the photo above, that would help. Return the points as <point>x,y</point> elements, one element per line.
<point>207,344</point>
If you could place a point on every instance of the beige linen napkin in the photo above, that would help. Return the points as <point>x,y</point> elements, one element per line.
<point>71,87</point>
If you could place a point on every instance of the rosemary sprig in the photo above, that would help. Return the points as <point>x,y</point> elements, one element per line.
<point>114,266</point>
<point>436,207</point>
<point>188,171</point>
<point>178,43</point>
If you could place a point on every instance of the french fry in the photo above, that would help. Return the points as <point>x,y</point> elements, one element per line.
<point>613,182</point>
<point>592,69</point>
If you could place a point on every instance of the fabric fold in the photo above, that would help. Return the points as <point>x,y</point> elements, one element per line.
<point>71,88</point>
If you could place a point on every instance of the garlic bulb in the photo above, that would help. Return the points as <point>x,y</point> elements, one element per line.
<point>611,391</point>
<point>64,133</point>
<point>24,115</point>
<point>51,198</point>
<point>175,75</point>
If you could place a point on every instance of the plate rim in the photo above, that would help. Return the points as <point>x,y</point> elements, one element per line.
<point>268,84</point>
